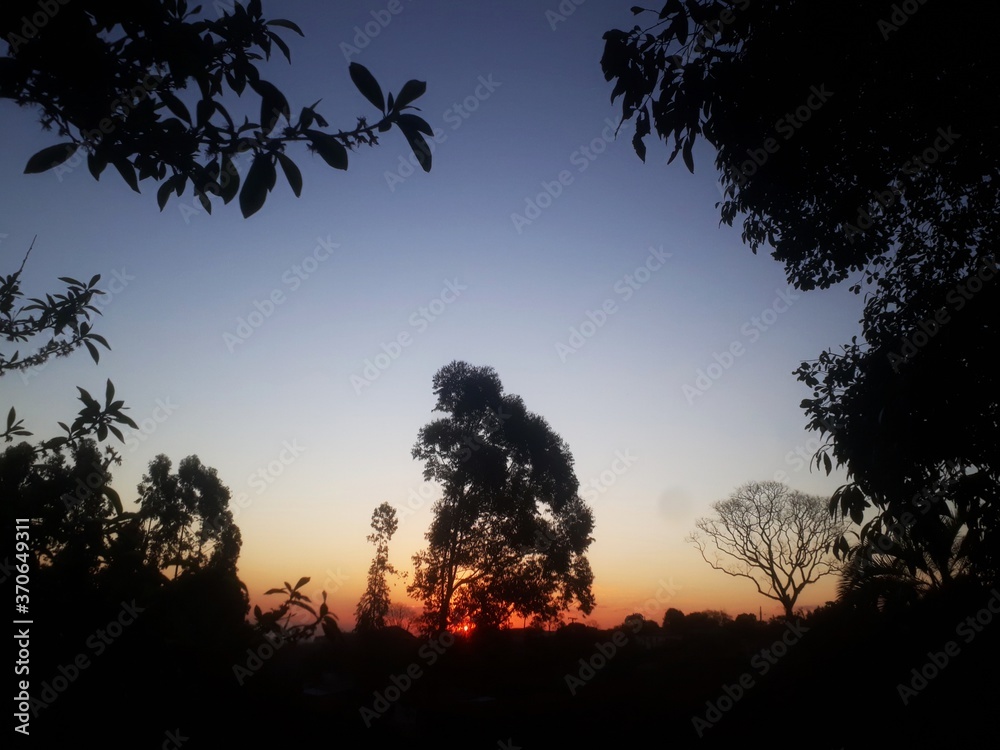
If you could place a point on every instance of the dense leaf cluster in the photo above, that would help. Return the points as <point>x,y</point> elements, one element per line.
<point>510,534</point>
<point>857,140</point>
<point>140,86</point>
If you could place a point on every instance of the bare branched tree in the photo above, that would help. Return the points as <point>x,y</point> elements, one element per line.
<point>779,538</point>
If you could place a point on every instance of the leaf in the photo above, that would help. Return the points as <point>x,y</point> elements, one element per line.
<point>368,86</point>
<point>420,148</point>
<point>93,351</point>
<point>679,27</point>
<point>416,123</point>
<point>273,105</point>
<point>254,191</point>
<point>274,591</point>
<point>281,45</point>
<point>306,118</point>
<point>126,420</point>
<point>109,392</point>
<point>127,171</point>
<point>96,164</point>
<point>328,147</point>
<point>306,607</point>
<point>292,174</point>
<point>688,159</point>
<point>110,493</point>
<point>411,91</point>
<point>302,582</point>
<point>229,179</point>
<point>285,25</point>
<point>173,183</point>
<point>175,105</point>
<point>50,157</point>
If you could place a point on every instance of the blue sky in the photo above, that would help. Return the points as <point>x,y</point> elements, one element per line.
<point>244,340</point>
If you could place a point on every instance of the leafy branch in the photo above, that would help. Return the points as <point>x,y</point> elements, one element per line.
<point>133,117</point>
<point>280,619</point>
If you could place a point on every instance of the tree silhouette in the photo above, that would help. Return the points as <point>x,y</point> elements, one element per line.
<point>185,521</point>
<point>63,317</point>
<point>894,569</point>
<point>57,325</point>
<point>855,155</point>
<point>374,604</point>
<point>780,539</point>
<point>510,532</point>
<point>113,80</point>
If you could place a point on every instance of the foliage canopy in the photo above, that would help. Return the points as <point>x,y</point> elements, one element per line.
<point>140,86</point>
<point>510,534</point>
<point>855,154</point>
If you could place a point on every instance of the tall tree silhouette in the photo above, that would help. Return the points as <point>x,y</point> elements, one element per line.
<point>374,604</point>
<point>780,539</point>
<point>853,154</point>
<point>185,521</point>
<point>510,533</point>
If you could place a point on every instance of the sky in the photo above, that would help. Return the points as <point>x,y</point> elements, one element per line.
<point>294,351</point>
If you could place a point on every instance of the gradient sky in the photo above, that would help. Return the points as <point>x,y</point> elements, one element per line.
<point>516,97</point>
